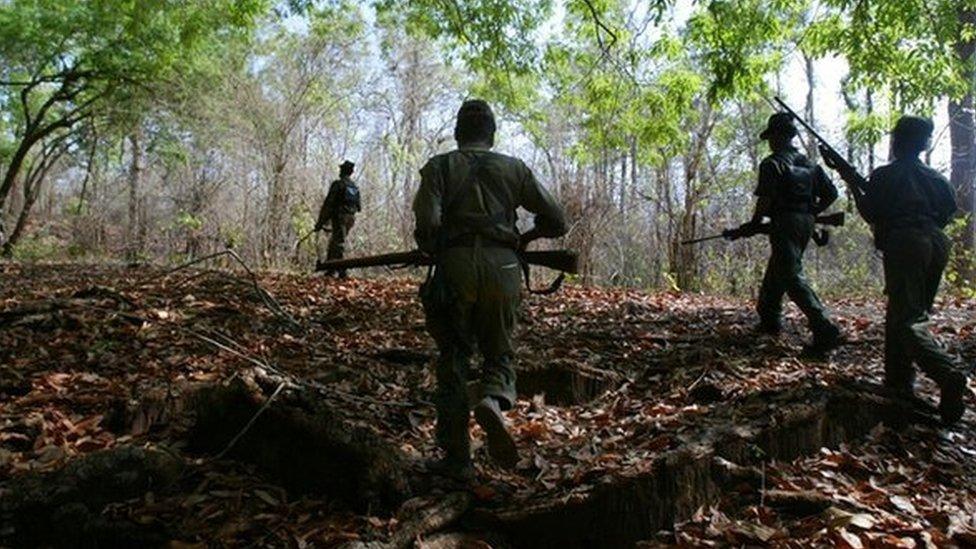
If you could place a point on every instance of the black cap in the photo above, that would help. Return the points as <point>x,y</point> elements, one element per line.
<point>780,123</point>
<point>913,128</point>
<point>347,165</point>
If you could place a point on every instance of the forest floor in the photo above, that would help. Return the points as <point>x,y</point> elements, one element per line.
<point>633,405</point>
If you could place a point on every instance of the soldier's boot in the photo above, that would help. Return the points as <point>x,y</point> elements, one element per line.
<point>769,327</point>
<point>951,405</point>
<point>501,445</point>
<point>825,339</point>
<point>456,463</point>
<point>900,383</point>
<point>452,468</point>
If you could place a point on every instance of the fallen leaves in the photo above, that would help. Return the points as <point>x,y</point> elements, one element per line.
<point>90,375</point>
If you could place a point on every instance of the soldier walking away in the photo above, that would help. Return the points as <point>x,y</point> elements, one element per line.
<point>338,212</point>
<point>465,213</point>
<point>792,191</point>
<point>909,204</point>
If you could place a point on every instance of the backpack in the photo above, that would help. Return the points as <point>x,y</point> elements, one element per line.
<point>796,192</point>
<point>350,197</point>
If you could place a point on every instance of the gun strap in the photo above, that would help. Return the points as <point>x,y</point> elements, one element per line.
<point>549,290</point>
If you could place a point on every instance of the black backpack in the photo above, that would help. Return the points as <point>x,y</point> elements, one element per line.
<point>351,198</point>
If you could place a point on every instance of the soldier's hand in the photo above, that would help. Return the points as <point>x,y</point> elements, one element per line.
<point>731,234</point>
<point>831,158</point>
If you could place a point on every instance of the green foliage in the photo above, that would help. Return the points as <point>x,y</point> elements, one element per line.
<point>742,41</point>
<point>188,221</point>
<point>74,59</point>
<point>961,262</point>
<point>37,248</point>
<point>488,35</point>
<point>907,46</point>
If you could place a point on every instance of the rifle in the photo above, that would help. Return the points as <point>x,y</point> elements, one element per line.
<point>832,158</point>
<point>564,261</point>
<point>751,229</point>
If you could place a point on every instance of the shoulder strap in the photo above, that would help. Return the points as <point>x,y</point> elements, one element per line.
<point>466,185</point>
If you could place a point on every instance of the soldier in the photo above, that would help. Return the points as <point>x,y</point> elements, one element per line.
<point>792,191</point>
<point>466,217</point>
<point>908,204</point>
<point>339,210</point>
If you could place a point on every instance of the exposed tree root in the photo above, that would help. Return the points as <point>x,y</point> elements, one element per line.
<point>64,508</point>
<point>299,440</point>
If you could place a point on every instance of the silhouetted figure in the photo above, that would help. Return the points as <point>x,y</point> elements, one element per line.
<point>339,210</point>
<point>466,217</point>
<point>792,191</point>
<point>909,204</point>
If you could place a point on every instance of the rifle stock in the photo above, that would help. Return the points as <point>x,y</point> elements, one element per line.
<point>566,261</point>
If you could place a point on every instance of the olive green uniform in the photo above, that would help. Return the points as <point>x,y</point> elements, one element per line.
<point>466,216</point>
<point>909,204</point>
<point>338,212</point>
<point>798,190</point>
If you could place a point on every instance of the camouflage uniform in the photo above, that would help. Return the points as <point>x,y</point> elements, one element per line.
<point>465,214</point>
<point>339,210</point>
<point>797,191</point>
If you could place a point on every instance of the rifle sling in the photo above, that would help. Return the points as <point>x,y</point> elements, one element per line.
<point>549,290</point>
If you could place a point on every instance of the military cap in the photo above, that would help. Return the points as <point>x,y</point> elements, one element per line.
<point>347,165</point>
<point>780,123</point>
<point>913,128</point>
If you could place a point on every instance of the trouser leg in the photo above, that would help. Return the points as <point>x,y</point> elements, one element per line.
<point>448,300</point>
<point>789,239</point>
<point>494,319</point>
<point>341,224</point>
<point>911,262</point>
<point>451,401</point>
<point>769,305</point>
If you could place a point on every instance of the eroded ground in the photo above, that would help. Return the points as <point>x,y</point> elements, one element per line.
<point>93,358</point>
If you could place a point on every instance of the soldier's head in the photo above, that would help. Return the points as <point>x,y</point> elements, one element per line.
<point>911,136</point>
<point>475,123</point>
<point>779,131</point>
<point>346,169</point>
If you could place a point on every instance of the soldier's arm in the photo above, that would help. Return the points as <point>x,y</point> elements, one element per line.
<point>871,205</point>
<point>945,201</point>
<point>550,220</point>
<point>768,175</point>
<point>328,205</point>
<point>826,191</point>
<point>427,208</point>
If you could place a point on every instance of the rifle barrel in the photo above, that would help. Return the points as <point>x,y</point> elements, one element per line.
<point>803,123</point>
<point>701,239</point>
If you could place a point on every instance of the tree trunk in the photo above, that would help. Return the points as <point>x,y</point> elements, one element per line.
<point>811,146</point>
<point>134,246</point>
<point>31,192</point>
<point>962,134</point>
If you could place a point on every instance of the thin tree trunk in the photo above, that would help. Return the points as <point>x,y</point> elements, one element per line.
<point>134,246</point>
<point>31,192</point>
<point>962,134</point>
<point>811,119</point>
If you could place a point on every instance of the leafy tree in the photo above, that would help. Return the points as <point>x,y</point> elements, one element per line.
<point>64,63</point>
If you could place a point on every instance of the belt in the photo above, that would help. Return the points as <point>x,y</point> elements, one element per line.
<point>472,240</point>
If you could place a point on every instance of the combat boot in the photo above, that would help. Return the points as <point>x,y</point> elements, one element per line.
<point>452,468</point>
<point>951,405</point>
<point>501,445</point>
<point>769,328</point>
<point>824,341</point>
